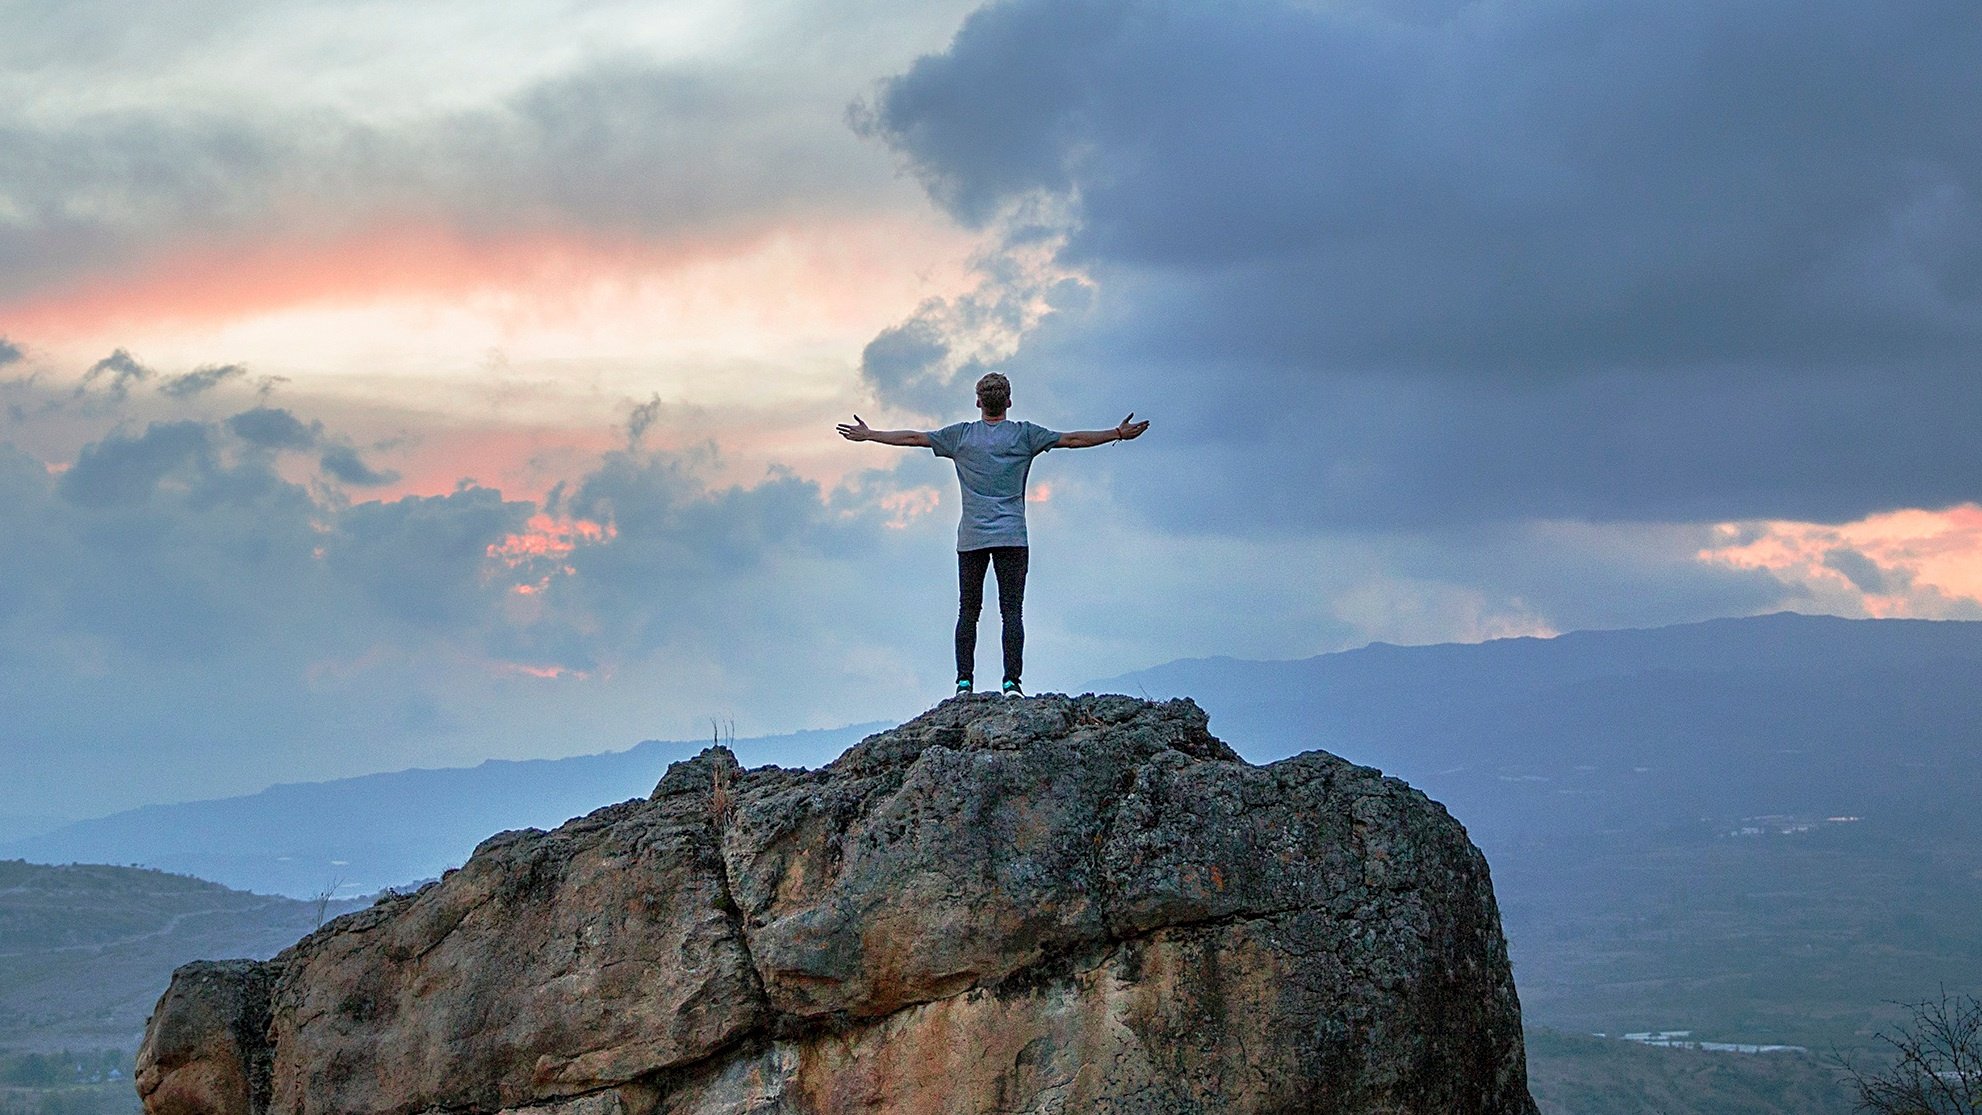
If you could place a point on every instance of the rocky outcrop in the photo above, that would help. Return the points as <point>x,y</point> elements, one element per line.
<point>1042,905</point>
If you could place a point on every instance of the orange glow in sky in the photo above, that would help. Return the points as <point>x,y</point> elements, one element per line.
<point>1928,563</point>
<point>547,537</point>
<point>523,462</point>
<point>395,313</point>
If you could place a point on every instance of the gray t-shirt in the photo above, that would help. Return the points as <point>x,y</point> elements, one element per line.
<point>992,459</point>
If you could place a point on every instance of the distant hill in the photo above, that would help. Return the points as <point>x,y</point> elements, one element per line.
<point>1758,829</point>
<point>360,835</point>
<point>1615,730</point>
<point>86,951</point>
<point>20,826</point>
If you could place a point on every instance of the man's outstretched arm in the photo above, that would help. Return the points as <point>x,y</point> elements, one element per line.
<point>1082,439</point>
<point>912,439</point>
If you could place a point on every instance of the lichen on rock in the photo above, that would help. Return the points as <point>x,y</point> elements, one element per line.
<point>1052,904</point>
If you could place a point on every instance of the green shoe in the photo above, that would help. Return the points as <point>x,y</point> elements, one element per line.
<point>963,687</point>
<point>1012,689</point>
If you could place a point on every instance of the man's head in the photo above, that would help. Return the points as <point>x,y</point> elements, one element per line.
<point>994,394</point>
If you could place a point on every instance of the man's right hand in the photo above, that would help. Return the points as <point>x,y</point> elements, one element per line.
<point>908,439</point>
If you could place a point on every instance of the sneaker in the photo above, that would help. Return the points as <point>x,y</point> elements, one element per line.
<point>963,687</point>
<point>1012,689</point>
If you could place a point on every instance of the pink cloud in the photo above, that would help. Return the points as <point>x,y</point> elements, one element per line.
<point>909,504</point>
<point>548,673</point>
<point>216,283</point>
<point>538,553</point>
<point>1911,562</point>
<point>847,274</point>
<point>524,462</point>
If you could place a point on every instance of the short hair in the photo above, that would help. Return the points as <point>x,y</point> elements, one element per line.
<point>994,392</point>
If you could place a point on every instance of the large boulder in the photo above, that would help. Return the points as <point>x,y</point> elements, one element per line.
<point>1042,905</point>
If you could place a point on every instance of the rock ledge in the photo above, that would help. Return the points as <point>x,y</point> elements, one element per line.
<point>1043,905</point>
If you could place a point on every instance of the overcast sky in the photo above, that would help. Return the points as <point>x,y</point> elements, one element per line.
<point>413,382</point>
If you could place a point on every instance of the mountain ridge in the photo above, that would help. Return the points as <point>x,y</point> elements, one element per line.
<point>1687,703</point>
<point>243,841</point>
<point>389,828</point>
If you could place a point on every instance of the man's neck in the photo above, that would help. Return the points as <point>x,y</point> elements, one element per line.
<point>990,417</point>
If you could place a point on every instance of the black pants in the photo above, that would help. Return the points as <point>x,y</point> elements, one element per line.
<point>1010,562</point>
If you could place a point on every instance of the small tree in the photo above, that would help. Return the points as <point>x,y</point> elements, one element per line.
<point>1937,1069</point>
<point>325,897</point>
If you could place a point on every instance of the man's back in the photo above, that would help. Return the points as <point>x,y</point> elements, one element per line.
<point>992,461</point>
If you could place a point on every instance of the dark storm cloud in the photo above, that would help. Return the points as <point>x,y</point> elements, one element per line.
<point>343,464</point>
<point>1623,260</point>
<point>1242,452</point>
<point>702,543</point>
<point>200,380</point>
<point>274,428</point>
<point>659,505</point>
<point>126,470</point>
<point>120,369</point>
<point>642,419</point>
<point>419,560</point>
<point>905,363</point>
<point>1581,577</point>
<point>139,174</point>
<point>1864,574</point>
<point>921,362</point>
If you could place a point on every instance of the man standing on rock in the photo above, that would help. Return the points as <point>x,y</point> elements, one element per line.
<point>993,456</point>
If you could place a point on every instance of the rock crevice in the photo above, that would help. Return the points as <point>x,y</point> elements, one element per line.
<point>1042,905</point>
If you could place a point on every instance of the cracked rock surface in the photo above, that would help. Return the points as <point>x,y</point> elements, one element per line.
<point>1044,905</point>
